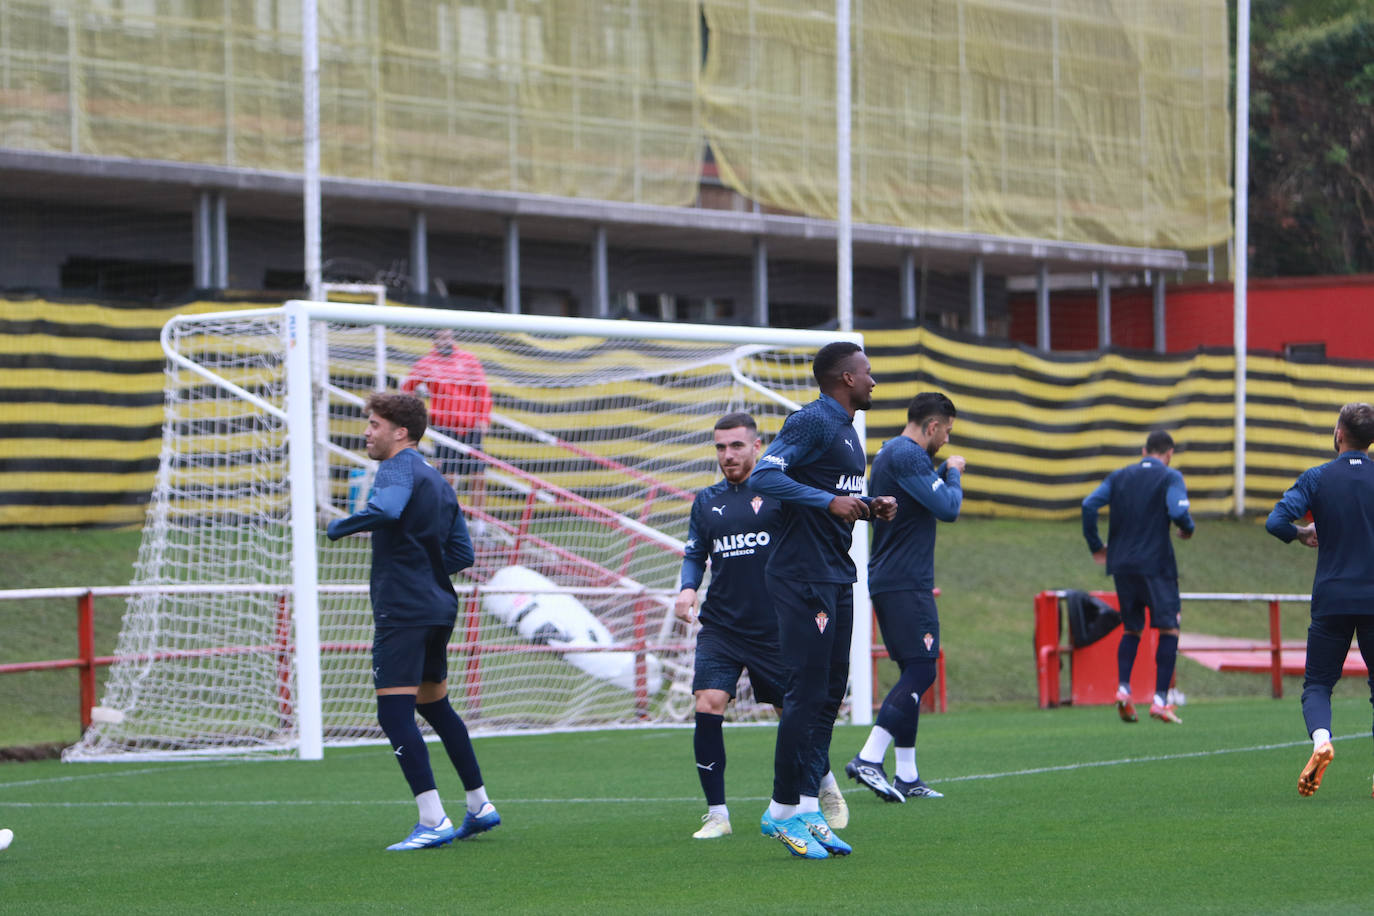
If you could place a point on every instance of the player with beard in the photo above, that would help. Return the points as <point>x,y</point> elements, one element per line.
<point>1340,496</point>
<point>901,581</point>
<point>734,528</point>
<point>815,467</point>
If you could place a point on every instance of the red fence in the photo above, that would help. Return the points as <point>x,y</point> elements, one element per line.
<point>1049,651</point>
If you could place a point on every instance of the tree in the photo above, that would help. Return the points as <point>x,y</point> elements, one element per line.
<point>1312,137</point>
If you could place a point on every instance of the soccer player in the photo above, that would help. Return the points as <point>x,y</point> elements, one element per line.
<point>815,467</point>
<point>419,540</point>
<point>1144,497</point>
<point>1340,496</point>
<point>901,580</point>
<point>735,528</point>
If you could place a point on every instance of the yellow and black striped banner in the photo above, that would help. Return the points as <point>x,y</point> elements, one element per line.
<point>1041,431</point>
<point>81,409</point>
<point>82,386</point>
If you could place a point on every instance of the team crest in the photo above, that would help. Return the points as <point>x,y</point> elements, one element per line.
<point>756,504</point>
<point>929,641</point>
<point>821,620</point>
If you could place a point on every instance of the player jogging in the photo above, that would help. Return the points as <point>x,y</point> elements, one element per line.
<point>735,528</point>
<point>815,467</point>
<point>1340,496</point>
<point>419,540</point>
<point>1145,498</point>
<point>901,580</point>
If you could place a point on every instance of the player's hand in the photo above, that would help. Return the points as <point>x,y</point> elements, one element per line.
<point>1100,556</point>
<point>1185,535</point>
<point>685,607</point>
<point>849,508</point>
<point>1307,534</point>
<point>957,462</point>
<point>883,507</point>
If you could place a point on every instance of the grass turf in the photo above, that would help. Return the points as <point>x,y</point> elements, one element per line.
<point>1063,810</point>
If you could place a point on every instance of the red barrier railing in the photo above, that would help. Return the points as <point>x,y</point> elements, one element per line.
<point>1049,650</point>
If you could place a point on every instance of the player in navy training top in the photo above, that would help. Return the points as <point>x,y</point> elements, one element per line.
<point>419,540</point>
<point>1340,496</point>
<point>734,528</point>
<point>1145,498</point>
<point>815,467</point>
<point>901,579</point>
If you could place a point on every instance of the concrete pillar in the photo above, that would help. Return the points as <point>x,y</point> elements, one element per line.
<point>977,307</point>
<point>1042,306</point>
<point>1104,310</point>
<point>601,295</point>
<point>512,266</point>
<point>760,282</point>
<point>419,252</point>
<point>908,286</point>
<point>1161,343</point>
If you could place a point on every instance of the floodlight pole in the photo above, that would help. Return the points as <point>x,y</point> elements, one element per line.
<point>1242,260</point>
<point>310,116</point>
<point>844,259</point>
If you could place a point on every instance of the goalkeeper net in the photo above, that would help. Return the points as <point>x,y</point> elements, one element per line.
<point>252,631</point>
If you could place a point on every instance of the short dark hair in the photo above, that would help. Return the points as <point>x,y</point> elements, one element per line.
<point>830,359</point>
<point>737,419</point>
<point>1357,419</point>
<point>401,409</point>
<point>1158,442</point>
<point>930,404</point>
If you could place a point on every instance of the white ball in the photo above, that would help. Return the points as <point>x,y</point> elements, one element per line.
<point>6,837</point>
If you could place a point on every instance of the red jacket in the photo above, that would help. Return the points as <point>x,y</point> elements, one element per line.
<point>459,399</point>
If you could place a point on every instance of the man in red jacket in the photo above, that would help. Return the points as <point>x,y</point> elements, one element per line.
<point>459,407</point>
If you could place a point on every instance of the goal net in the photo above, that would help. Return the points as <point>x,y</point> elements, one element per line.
<point>252,631</point>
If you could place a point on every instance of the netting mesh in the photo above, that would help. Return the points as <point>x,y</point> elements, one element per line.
<point>1099,121</point>
<point>595,449</point>
<point>568,97</point>
<point>1082,120</point>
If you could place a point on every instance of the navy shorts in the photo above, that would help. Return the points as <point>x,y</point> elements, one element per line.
<point>452,462</point>
<point>409,656</point>
<point>815,622</point>
<point>721,656</point>
<point>1136,591</point>
<point>909,623</point>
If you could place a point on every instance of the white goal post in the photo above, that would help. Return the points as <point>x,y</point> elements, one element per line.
<point>599,436</point>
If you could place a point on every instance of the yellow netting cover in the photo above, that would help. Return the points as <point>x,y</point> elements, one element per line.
<point>1080,120</point>
<point>569,97</point>
<point>1100,121</point>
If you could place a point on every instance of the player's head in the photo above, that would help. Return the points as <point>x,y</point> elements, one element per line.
<point>842,370</point>
<point>1356,426</point>
<point>932,416</point>
<point>737,445</point>
<point>443,341</point>
<point>1159,444</point>
<point>394,422</point>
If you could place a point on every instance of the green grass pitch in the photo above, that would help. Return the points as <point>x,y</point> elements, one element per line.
<point>1064,811</point>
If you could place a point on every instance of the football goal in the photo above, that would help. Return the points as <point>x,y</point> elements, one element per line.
<point>252,631</point>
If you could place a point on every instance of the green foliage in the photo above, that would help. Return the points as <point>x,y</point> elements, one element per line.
<point>1311,152</point>
<point>42,707</point>
<point>1063,811</point>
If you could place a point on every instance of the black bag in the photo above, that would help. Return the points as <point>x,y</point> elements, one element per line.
<point>1090,618</point>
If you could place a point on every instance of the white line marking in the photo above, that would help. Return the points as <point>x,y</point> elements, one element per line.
<point>300,802</point>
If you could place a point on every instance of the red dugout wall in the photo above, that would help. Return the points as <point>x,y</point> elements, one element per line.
<point>1336,311</point>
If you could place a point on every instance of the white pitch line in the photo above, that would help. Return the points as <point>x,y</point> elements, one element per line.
<point>1154,758</point>
<point>240,803</point>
